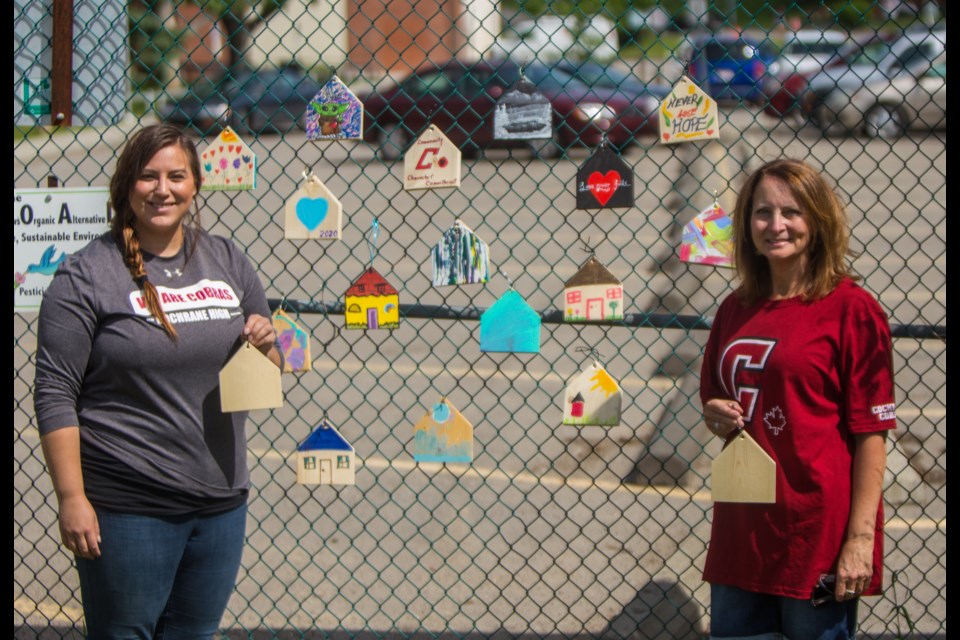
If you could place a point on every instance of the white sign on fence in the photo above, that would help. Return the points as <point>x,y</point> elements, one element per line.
<point>49,225</point>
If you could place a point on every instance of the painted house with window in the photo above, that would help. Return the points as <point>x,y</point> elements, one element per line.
<point>325,458</point>
<point>372,303</point>
<point>593,294</point>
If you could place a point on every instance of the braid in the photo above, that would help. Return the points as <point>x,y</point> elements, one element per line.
<point>134,260</point>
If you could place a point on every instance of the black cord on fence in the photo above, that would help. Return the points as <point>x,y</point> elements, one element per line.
<point>555,316</point>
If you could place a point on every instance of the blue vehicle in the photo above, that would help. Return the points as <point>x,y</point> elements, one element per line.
<point>729,67</point>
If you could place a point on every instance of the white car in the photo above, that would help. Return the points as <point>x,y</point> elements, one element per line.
<point>910,100</point>
<point>808,50</point>
<point>903,90</point>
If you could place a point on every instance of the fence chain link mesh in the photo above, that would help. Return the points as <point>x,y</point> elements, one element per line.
<point>552,531</point>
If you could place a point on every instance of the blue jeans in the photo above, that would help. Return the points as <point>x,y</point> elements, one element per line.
<point>735,613</point>
<point>161,577</point>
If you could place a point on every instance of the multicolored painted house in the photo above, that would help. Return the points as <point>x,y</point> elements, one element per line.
<point>593,294</point>
<point>592,398</point>
<point>228,164</point>
<point>443,435</point>
<point>460,257</point>
<point>325,458</point>
<point>372,303</point>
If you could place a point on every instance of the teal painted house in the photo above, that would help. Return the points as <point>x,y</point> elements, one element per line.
<point>510,326</point>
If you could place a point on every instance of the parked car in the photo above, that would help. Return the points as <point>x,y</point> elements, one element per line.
<point>809,50</point>
<point>785,89</point>
<point>900,92</point>
<point>609,77</point>
<point>888,107</point>
<point>460,98</point>
<point>729,66</point>
<point>268,100</point>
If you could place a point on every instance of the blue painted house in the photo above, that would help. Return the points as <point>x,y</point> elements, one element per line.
<point>325,458</point>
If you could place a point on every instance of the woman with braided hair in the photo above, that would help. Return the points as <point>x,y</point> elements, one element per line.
<point>150,476</point>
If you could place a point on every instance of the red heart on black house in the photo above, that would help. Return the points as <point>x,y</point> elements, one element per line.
<point>603,186</point>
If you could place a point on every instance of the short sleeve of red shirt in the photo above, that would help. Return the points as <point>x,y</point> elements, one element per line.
<point>866,364</point>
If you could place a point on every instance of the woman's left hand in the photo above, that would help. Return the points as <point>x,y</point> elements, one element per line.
<point>855,567</point>
<point>260,333</point>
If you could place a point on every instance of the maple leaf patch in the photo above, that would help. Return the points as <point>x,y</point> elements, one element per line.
<point>775,420</point>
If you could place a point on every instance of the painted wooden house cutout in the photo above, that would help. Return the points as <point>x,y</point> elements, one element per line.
<point>313,213</point>
<point>592,398</point>
<point>708,239</point>
<point>460,257</point>
<point>443,435</point>
<point>744,472</point>
<point>523,113</point>
<point>294,343</point>
<point>687,114</point>
<point>593,294</point>
<point>372,303</point>
<point>431,162</point>
<point>510,326</point>
<point>250,381</point>
<point>335,113</point>
<point>326,457</point>
<point>604,181</point>
<point>228,164</point>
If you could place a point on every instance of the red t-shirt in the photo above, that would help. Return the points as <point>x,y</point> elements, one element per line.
<point>809,375</point>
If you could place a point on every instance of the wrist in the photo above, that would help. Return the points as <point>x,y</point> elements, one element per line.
<point>860,537</point>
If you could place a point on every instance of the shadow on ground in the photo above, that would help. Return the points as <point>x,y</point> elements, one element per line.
<point>661,610</point>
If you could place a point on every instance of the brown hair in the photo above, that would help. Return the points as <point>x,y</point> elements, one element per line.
<point>829,248</point>
<point>139,150</point>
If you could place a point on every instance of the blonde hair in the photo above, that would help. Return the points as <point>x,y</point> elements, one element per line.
<point>829,247</point>
<point>139,150</point>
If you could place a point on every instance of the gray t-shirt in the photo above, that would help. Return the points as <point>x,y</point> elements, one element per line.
<point>141,399</point>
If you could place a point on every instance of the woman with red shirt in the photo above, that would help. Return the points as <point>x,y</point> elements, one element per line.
<point>800,357</point>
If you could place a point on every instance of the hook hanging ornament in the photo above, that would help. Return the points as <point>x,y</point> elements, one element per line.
<point>372,239</point>
<point>592,351</point>
<point>509,281</point>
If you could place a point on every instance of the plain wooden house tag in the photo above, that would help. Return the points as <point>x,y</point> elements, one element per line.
<point>744,472</point>
<point>250,381</point>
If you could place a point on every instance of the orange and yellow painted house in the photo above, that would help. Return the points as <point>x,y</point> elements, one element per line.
<point>372,303</point>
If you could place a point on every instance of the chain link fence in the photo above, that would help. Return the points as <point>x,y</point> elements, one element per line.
<point>553,531</point>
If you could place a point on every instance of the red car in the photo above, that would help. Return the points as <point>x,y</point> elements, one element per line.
<point>785,94</point>
<point>460,98</point>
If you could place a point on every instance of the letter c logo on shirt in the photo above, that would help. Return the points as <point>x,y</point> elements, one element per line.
<point>745,353</point>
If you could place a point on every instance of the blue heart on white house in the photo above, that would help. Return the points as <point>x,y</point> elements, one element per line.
<point>312,211</point>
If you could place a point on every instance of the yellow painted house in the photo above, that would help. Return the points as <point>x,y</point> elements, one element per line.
<point>372,303</point>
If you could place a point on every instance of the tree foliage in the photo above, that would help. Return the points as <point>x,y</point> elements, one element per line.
<point>154,37</point>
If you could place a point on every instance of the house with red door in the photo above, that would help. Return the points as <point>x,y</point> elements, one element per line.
<point>593,294</point>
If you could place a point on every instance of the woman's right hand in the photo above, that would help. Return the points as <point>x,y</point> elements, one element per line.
<point>722,416</point>
<point>79,527</point>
